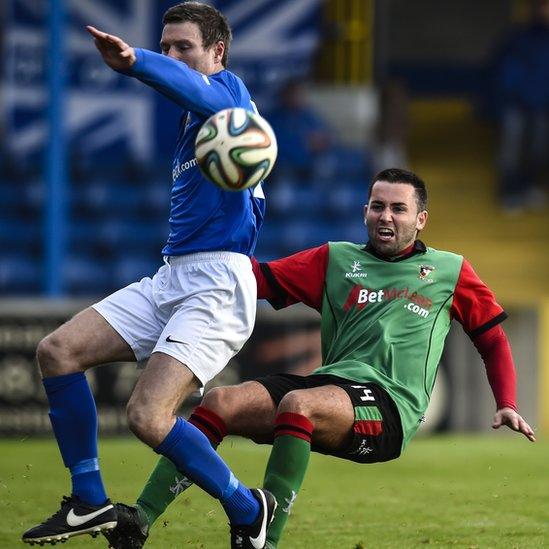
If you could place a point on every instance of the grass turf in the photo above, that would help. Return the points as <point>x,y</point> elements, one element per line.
<point>446,491</point>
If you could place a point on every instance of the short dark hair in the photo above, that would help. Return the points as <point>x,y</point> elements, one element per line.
<point>212,23</point>
<point>396,175</point>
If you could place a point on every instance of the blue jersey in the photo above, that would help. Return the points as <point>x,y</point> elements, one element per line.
<point>203,217</point>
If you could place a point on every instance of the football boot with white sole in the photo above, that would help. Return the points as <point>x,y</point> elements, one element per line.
<point>73,519</point>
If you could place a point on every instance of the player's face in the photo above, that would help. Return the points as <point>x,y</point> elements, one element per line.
<point>183,41</point>
<point>392,217</point>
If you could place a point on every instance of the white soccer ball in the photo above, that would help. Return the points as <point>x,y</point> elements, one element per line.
<point>236,149</point>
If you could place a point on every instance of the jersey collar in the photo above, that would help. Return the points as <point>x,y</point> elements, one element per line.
<point>417,248</point>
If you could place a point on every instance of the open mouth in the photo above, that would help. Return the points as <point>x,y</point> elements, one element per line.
<point>385,233</point>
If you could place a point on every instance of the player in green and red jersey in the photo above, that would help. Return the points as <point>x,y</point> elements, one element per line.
<point>386,309</point>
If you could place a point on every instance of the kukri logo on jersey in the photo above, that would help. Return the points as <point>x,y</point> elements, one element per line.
<point>356,271</point>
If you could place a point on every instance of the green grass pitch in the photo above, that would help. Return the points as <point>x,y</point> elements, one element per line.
<point>446,491</point>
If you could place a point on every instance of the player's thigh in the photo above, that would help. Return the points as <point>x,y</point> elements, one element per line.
<point>85,340</point>
<point>214,320</point>
<point>246,409</point>
<point>376,431</point>
<point>134,314</point>
<point>330,410</point>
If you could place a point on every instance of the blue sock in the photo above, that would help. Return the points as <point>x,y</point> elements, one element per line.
<point>74,420</point>
<point>191,452</point>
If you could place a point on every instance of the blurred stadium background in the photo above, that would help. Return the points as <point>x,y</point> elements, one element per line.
<point>85,173</point>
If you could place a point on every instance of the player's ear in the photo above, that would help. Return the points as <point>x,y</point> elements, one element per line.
<point>421,220</point>
<point>365,212</point>
<point>219,50</point>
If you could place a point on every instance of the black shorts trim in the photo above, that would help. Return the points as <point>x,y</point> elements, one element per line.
<point>364,447</point>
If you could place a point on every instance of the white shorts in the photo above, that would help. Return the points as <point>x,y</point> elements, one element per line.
<point>198,308</point>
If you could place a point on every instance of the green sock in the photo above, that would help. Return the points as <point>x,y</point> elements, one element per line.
<point>163,486</point>
<point>283,478</point>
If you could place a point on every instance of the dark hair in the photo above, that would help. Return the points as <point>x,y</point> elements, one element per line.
<point>396,175</point>
<point>212,23</point>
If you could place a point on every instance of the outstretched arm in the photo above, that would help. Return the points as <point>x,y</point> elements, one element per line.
<point>115,52</point>
<point>187,87</point>
<point>495,350</point>
<point>475,307</point>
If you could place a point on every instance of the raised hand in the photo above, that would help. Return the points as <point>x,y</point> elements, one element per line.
<point>508,416</point>
<point>115,52</point>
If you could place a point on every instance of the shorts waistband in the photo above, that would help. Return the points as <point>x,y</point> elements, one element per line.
<point>206,257</point>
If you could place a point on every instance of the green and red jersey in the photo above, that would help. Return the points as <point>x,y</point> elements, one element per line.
<point>385,321</point>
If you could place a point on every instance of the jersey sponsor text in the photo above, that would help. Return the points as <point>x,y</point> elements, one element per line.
<point>370,296</point>
<point>179,168</point>
<point>361,296</point>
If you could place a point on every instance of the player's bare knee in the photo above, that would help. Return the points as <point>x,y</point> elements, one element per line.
<point>137,420</point>
<point>220,400</point>
<point>295,402</point>
<point>142,422</point>
<point>54,357</point>
<point>148,422</point>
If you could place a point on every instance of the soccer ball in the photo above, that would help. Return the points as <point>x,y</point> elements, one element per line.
<point>236,149</point>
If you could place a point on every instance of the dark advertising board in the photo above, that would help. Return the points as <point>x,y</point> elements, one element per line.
<point>280,342</point>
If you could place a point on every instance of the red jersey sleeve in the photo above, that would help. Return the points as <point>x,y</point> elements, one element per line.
<point>495,351</point>
<point>474,305</point>
<point>476,308</point>
<point>298,278</point>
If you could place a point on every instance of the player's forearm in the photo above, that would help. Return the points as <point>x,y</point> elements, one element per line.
<point>495,350</point>
<point>186,87</point>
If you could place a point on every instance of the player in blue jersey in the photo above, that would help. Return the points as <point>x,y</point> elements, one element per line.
<point>188,320</point>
